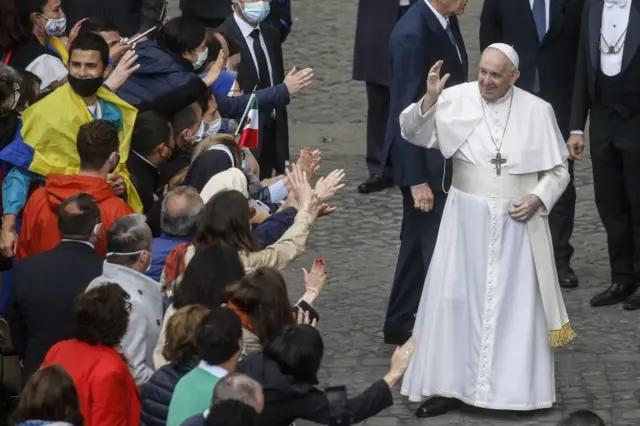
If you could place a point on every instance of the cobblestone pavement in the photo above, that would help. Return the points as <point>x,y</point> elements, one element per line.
<point>601,371</point>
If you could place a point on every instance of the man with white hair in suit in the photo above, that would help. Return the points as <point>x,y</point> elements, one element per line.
<point>491,309</point>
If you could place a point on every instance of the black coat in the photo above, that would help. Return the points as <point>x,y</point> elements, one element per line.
<point>131,16</point>
<point>157,392</point>
<point>286,401</point>
<point>417,42</point>
<point>376,19</point>
<point>43,295</point>
<point>248,81</point>
<point>584,93</point>
<point>511,22</point>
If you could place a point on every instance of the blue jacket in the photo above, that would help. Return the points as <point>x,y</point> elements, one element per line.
<point>274,227</point>
<point>162,246</point>
<point>168,83</point>
<point>157,392</point>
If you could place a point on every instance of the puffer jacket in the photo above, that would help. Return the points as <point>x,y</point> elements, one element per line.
<point>157,392</point>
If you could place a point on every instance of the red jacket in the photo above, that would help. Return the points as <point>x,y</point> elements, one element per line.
<point>39,230</point>
<point>108,394</point>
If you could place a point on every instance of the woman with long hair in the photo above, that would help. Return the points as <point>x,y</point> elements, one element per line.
<point>32,39</point>
<point>49,396</point>
<point>261,300</point>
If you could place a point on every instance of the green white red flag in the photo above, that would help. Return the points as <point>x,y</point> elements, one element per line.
<point>248,129</point>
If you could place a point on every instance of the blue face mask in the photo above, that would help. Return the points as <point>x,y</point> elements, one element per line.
<point>256,12</point>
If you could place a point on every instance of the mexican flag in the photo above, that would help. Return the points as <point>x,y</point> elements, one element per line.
<point>248,127</point>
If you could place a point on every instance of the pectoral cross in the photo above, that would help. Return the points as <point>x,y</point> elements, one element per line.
<point>497,162</point>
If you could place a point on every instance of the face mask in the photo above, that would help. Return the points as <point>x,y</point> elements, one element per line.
<point>113,253</point>
<point>55,27</point>
<point>256,12</point>
<point>228,70</point>
<point>200,135</point>
<point>214,127</point>
<point>16,98</point>
<point>202,57</point>
<point>85,87</point>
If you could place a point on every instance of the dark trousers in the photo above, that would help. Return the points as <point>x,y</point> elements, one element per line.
<point>377,116</point>
<point>615,157</point>
<point>561,220</point>
<point>268,160</point>
<point>418,235</point>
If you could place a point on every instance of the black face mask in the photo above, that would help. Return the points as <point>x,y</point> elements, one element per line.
<point>85,87</point>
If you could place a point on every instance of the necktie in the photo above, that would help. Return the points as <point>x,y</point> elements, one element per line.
<point>452,38</point>
<point>619,3</point>
<point>540,17</point>
<point>261,60</point>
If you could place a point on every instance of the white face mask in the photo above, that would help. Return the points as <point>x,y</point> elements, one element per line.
<point>201,133</point>
<point>113,253</point>
<point>214,127</point>
<point>55,27</point>
<point>200,60</point>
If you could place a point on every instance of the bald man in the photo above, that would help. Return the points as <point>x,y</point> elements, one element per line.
<point>491,310</point>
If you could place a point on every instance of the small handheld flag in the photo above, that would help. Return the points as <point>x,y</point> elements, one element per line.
<point>249,125</point>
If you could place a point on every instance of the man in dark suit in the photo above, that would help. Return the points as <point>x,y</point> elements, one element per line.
<point>261,66</point>
<point>545,34</point>
<point>376,19</point>
<point>130,16</point>
<point>427,33</point>
<point>43,295</point>
<point>607,87</point>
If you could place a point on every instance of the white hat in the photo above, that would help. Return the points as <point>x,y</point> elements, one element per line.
<point>509,52</point>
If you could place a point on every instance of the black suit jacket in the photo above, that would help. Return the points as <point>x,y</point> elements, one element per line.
<point>43,295</point>
<point>376,19</point>
<point>417,42</point>
<point>511,22</point>
<point>248,81</point>
<point>584,92</point>
<point>131,16</point>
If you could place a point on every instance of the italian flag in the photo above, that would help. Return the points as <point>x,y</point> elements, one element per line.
<point>248,127</point>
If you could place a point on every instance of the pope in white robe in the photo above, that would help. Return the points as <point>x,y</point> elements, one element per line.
<point>491,309</point>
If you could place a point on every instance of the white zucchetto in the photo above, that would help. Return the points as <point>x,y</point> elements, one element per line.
<point>509,52</point>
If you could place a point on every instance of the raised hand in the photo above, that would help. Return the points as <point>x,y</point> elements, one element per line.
<point>123,71</point>
<point>216,69</point>
<point>326,187</point>
<point>435,83</point>
<point>298,80</point>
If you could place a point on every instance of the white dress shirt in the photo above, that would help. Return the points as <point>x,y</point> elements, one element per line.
<point>547,6</point>
<point>404,3</point>
<point>615,18</point>
<point>444,22</point>
<point>246,30</point>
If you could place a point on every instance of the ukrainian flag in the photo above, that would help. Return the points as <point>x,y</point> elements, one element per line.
<point>46,143</point>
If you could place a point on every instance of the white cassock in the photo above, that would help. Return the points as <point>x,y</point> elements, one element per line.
<point>484,325</point>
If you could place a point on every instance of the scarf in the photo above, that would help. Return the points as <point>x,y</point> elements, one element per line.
<point>244,318</point>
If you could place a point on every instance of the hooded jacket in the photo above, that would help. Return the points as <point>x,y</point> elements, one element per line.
<point>39,230</point>
<point>286,400</point>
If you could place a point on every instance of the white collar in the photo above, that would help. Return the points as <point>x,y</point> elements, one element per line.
<point>245,28</point>
<point>214,370</point>
<point>145,160</point>
<point>66,240</point>
<point>443,21</point>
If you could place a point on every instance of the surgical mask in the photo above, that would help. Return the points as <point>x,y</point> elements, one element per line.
<point>16,98</point>
<point>55,27</point>
<point>85,87</point>
<point>256,12</point>
<point>200,135</point>
<point>114,253</point>
<point>202,57</point>
<point>214,127</point>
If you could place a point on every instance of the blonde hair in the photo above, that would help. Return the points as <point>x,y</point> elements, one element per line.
<point>180,343</point>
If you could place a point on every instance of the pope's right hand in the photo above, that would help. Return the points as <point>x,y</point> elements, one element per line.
<point>422,197</point>
<point>435,84</point>
<point>575,145</point>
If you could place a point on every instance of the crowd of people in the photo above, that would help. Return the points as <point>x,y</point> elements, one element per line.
<point>148,206</point>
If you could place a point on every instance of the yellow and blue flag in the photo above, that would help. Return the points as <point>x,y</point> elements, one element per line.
<point>46,142</point>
